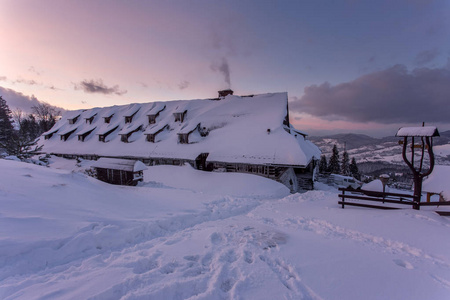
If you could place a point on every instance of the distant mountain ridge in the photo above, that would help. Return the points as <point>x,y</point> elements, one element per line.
<point>376,154</point>
<point>353,141</point>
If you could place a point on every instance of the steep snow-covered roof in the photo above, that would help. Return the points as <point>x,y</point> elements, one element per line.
<point>157,107</point>
<point>234,129</point>
<point>91,113</point>
<point>85,130</point>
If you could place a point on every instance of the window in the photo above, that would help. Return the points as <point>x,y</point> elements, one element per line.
<point>89,120</point>
<point>108,119</point>
<point>179,116</point>
<point>183,138</point>
<point>151,119</point>
<point>74,120</point>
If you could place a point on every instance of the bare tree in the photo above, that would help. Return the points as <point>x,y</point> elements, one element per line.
<point>46,115</point>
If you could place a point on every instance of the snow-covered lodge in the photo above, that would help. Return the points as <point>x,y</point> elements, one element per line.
<point>247,134</point>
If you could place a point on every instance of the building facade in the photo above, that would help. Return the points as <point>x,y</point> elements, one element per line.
<point>246,134</point>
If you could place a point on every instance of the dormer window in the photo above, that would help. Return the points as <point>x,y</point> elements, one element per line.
<point>151,137</point>
<point>49,135</point>
<point>65,136</point>
<point>102,137</point>
<point>152,117</point>
<point>108,119</point>
<point>179,116</point>
<point>73,120</point>
<point>125,136</point>
<point>183,138</point>
<point>89,120</point>
<point>129,119</point>
<point>82,137</point>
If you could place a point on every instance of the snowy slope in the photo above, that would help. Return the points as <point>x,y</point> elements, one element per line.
<point>215,236</point>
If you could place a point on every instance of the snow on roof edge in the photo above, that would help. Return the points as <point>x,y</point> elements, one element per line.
<point>429,131</point>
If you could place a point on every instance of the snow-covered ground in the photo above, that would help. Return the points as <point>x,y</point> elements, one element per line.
<point>186,234</point>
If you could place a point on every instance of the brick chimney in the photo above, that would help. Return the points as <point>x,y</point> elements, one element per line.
<point>224,93</point>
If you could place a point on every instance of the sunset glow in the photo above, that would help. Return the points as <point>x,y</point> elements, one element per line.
<point>82,54</point>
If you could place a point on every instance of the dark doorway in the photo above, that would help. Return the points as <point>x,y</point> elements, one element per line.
<point>200,162</point>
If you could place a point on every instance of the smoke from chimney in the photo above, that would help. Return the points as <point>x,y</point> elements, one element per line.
<point>223,68</point>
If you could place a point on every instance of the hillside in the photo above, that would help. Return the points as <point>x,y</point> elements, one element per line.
<point>378,155</point>
<point>187,234</point>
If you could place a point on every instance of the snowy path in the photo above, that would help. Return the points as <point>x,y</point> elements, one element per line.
<point>164,241</point>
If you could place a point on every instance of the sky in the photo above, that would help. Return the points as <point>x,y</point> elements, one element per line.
<point>348,66</point>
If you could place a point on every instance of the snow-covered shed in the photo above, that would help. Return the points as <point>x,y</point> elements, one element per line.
<point>248,134</point>
<point>119,171</point>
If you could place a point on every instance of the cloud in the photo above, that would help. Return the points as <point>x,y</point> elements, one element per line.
<point>426,57</point>
<point>223,68</point>
<point>17,100</point>
<point>394,95</point>
<point>98,87</point>
<point>3,78</point>
<point>33,70</point>
<point>26,81</point>
<point>52,87</point>
<point>143,84</point>
<point>184,84</point>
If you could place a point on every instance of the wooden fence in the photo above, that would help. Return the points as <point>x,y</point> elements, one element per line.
<point>392,198</point>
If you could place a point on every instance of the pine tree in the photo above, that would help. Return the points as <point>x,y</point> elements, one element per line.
<point>333,164</point>
<point>345,167</point>
<point>354,171</point>
<point>323,164</point>
<point>6,124</point>
<point>23,143</point>
<point>29,128</point>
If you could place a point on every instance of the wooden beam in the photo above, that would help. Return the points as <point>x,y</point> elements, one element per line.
<point>435,203</point>
<point>368,205</point>
<point>375,199</point>
<point>443,213</point>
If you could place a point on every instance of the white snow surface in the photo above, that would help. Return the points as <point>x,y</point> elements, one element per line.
<point>238,131</point>
<point>187,234</point>
<point>120,164</point>
<point>374,186</point>
<point>438,182</point>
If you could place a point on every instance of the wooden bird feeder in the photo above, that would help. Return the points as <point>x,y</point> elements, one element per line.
<point>423,136</point>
